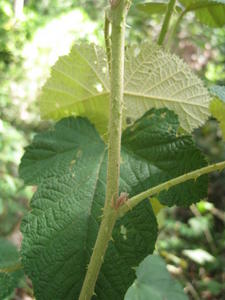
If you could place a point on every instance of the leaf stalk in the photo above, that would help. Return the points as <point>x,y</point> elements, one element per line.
<point>132,202</point>
<point>166,21</point>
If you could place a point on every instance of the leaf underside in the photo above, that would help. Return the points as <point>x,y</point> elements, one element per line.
<point>69,167</point>
<point>154,282</point>
<point>79,86</point>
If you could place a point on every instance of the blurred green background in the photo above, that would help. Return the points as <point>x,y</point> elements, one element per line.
<point>32,36</point>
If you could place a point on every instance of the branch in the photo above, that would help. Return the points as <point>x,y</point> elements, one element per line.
<point>166,21</point>
<point>118,12</point>
<point>132,202</point>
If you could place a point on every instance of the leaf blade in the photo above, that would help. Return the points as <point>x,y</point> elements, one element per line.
<point>153,280</point>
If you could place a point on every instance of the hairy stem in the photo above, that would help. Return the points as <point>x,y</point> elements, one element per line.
<point>132,202</point>
<point>166,21</point>
<point>107,40</point>
<point>118,14</point>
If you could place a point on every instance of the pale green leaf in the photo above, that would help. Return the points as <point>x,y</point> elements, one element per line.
<point>217,106</point>
<point>8,259</point>
<point>155,78</point>
<point>209,12</point>
<point>154,282</point>
<point>69,166</point>
<point>79,85</point>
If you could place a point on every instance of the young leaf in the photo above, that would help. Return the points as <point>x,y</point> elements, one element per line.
<point>69,166</point>
<point>154,282</point>
<point>8,259</point>
<point>60,232</point>
<point>79,85</point>
<point>209,12</point>
<point>217,106</point>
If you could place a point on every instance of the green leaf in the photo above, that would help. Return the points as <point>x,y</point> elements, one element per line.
<point>155,139</point>
<point>218,91</point>
<point>209,12</point>
<point>9,258</point>
<point>154,282</point>
<point>60,232</point>
<point>79,86</point>
<point>217,106</point>
<point>69,166</point>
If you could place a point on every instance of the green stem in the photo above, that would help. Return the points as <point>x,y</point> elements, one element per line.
<point>132,202</point>
<point>166,21</point>
<point>107,40</point>
<point>175,28</point>
<point>118,13</point>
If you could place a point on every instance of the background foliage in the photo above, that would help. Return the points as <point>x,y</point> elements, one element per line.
<point>30,44</point>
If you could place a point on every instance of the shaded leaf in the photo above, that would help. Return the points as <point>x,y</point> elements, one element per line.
<point>154,139</point>
<point>60,232</point>
<point>154,282</point>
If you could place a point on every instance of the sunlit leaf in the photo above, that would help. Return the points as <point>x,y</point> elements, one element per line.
<point>154,282</point>
<point>209,12</point>
<point>79,85</point>
<point>155,78</point>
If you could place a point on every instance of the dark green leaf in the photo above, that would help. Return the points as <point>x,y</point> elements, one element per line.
<point>8,259</point>
<point>154,282</point>
<point>155,140</point>
<point>60,232</point>
<point>69,166</point>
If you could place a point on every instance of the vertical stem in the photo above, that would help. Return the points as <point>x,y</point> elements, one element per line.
<point>166,21</point>
<point>107,40</point>
<point>175,28</point>
<point>118,12</point>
